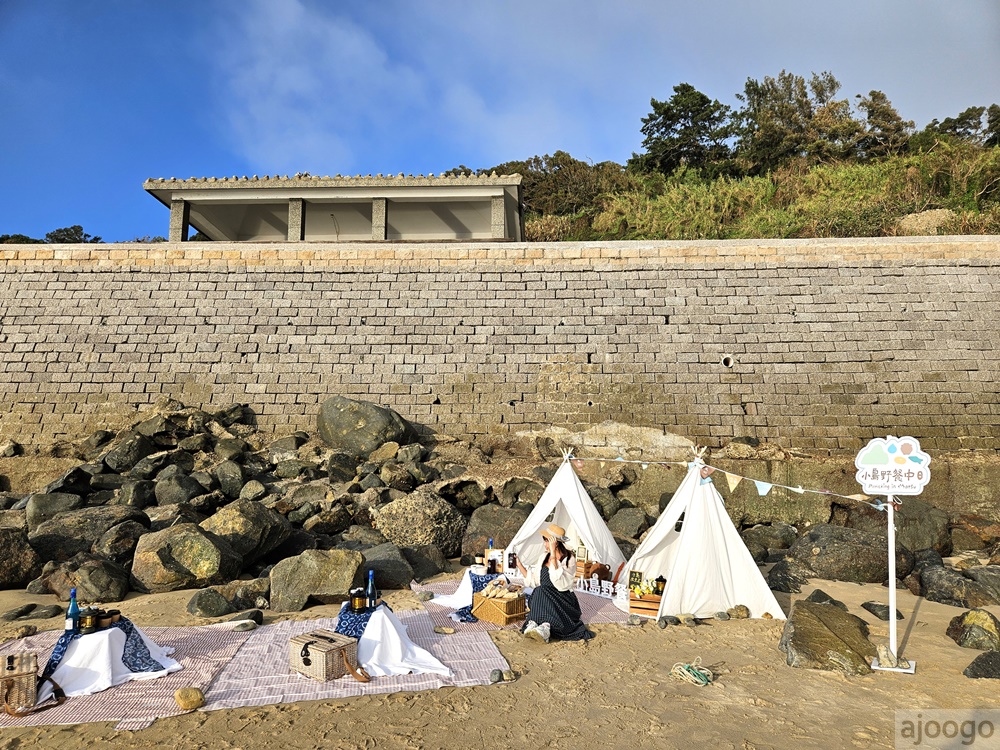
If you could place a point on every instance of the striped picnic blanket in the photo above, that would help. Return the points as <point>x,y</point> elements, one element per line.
<point>260,675</point>
<point>593,609</point>
<point>202,650</point>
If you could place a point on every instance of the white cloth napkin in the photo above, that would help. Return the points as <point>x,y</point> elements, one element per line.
<point>461,598</point>
<point>385,649</point>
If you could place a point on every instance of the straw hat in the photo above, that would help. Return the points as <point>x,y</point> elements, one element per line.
<point>555,532</point>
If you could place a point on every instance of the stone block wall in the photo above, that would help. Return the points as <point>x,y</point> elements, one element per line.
<point>816,345</point>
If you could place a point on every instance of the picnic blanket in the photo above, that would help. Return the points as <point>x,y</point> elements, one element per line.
<point>202,650</point>
<point>593,609</point>
<point>260,675</point>
<point>236,669</point>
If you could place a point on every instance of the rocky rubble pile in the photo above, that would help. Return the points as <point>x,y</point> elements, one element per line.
<point>189,499</point>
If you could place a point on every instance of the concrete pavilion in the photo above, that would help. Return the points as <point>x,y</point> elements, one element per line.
<point>343,209</point>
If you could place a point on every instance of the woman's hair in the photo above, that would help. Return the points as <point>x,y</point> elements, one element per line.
<point>563,551</point>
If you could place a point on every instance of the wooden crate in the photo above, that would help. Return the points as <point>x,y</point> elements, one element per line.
<point>499,611</point>
<point>647,605</point>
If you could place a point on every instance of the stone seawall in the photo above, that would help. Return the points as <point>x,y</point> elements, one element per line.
<point>816,345</point>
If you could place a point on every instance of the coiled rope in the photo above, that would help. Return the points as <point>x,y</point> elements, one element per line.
<point>693,673</point>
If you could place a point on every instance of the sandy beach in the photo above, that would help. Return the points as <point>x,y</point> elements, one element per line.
<point>615,690</point>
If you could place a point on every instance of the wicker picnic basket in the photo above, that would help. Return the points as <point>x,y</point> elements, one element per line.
<point>19,683</point>
<point>499,611</point>
<point>325,655</point>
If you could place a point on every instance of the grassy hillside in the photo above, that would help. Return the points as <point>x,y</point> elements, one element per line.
<point>961,184</point>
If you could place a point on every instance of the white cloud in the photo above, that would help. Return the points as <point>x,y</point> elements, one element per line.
<point>403,86</point>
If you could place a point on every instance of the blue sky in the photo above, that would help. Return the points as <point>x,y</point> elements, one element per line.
<point>98,95</point>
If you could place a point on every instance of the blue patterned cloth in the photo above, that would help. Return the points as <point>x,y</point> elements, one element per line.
<point>353,624</point>
<point>136,656</point>
<point>479,582</point>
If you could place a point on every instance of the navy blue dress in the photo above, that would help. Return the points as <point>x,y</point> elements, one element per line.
<point>560,609</point>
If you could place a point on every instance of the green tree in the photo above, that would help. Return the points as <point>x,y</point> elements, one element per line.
<point>19,239</point>
<point>787,118</point>
<point>73,235</point>
<point>966,127</point>
<point>885,132</point>
<point>688,130</point>
<point>558,184</point>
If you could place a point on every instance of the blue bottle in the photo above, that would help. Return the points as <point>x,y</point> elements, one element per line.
<point>72,613</point>
<point>371,593</point>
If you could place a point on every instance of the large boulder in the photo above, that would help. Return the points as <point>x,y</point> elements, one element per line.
<point>128,450</point>
<point>845,554</point>
<point>789,576</point>
<point>139,493</point>
<point>977,629</point>
<point>341,467</point>
<point>918,524</point>
<point>822,636</point>
<point>329,522</point>
<point>421,518</point>
<point>250,528</point>
<point>217,601</point>
<point>153,464</point>
<point>118,543</point>
<point>392,569</point>
<point>771,536</point>
<point>209,603</point>
<point>358,427</point>
<point>182,556</point>
<point>947,586</point>
<point>984,666</point>
<point>230,476</point>
<point>425,560</point>
<point>629,522</point>
<point>465,494</point>
<point>491,521</point>
<point>45,505</point>
<point>318,576</point>
<point>987,576</point>
<point>96,579</point>
<point>177,489</point>
<point>76,481</point>
<point>19,563</point>
<point>75,531</point>
<point>520,490</point>
<point>252,594</point>
<point>973,532</point>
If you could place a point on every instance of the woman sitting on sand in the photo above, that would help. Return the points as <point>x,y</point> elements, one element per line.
<point>555,611</point>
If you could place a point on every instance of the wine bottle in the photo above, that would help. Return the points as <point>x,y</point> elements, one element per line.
<point>72,613</point>
<point>371,593</point>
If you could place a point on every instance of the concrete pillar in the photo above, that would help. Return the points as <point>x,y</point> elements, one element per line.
<point>180,216</point>
<point>378,218</point>
<point>296,219</point>
<point>498,219</point>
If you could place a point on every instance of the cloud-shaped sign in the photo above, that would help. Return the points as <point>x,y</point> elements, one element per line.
<point>893,466</point>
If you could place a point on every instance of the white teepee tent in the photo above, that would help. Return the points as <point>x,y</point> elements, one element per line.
<point>569,506</point>
<point>707,566</point>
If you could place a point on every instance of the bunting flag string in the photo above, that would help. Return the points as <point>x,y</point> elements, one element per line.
<point>733,480</point>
